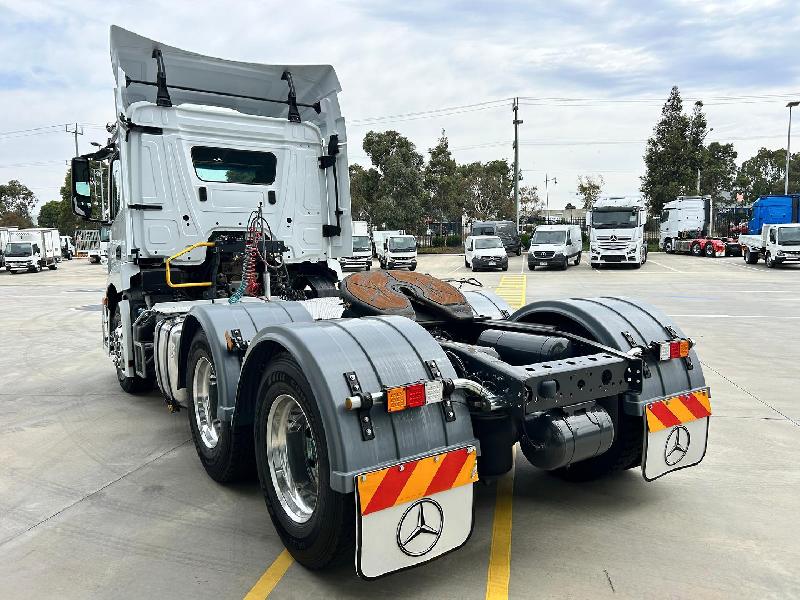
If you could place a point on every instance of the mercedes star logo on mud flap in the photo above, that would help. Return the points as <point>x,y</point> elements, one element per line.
<point>420,527</point>
<point>677,445</point>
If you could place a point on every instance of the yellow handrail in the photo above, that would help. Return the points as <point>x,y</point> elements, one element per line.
<point>181,253</point>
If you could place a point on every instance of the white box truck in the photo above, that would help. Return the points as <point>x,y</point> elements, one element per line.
<point>361,257</point>
<point>616,231</point>
<point>379,236</point>
<point>398,251</point>
<point>32,250</point>
<point>3,241</point>
<point>223,290</point>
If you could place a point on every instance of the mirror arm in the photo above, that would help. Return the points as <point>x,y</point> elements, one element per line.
<point>162,94</point>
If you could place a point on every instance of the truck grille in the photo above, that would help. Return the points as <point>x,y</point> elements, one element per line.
<point>612,245</point>
<point>544,253</point>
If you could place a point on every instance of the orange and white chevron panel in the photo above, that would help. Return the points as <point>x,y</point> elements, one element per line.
<point>679,409</point>
<point>416,479</point>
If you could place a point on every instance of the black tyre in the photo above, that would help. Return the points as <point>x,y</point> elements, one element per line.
<point>710,252</point>
<point>466,262</point>
<point>131,385</point>
<point>412,268</point>
<point>696,249</point>
<point>473,267</point>
<point>637,265</point>
<point>668,246</point>
<point>625,453</point>
<point>751,258</point>
<point>225,452</point>
<point>519,251</point>
<point>595,265</point>
<point>771,262</point>
<point>578,259</point>
<point>564,265</point>
<point>504,268</point>
<point>316,524</point>
<point>52,267</point>
<point>644,260</point>
<point>531,267</point>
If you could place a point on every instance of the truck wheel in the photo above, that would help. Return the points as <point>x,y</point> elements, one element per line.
<point>751,258</point>
<point>131,385</point>
<point>696,249</point>
<point>466,262</point>
<point>316,524</point>
<point>226,453</point>
<point>412,268</point>
<point>771,263</point>
<point>625,453</point>
<point>473,267</point>
<point>668,246</point>
<point>644,259</point>
<point>710,252</point>
<point>52,267</point>
<point>519,251</point>
<point>578,259</point>
<point>564,264</point>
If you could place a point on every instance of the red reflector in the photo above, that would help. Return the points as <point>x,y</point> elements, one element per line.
<point>674,349</point>
<point>415,395</point>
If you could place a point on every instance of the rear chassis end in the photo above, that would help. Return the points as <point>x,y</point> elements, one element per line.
<point>447,394</point>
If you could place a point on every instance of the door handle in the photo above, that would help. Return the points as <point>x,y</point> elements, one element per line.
<point>202,193</point>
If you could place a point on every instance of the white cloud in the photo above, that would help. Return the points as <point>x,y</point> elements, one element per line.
<point>420,56</point>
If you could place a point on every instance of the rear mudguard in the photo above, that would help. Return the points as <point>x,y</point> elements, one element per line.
<point>382,352</point>
<point>609,321</point>
<point>215,320</point>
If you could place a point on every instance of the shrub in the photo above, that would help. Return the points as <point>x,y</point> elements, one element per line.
<point>453,241</point>
<point>525,240</point>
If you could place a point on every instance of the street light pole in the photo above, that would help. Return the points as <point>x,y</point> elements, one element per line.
<point>517,123</point>
<point>790,106</point>
<point>547,180</point>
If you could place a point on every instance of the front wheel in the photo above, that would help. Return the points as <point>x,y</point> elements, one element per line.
<point>315,523</point>
<point>771,262</point>
<point>696,249</point>
<point>519,251</point>
<point>225,452</point>
<point>578,259</point>
<point>131,385</point>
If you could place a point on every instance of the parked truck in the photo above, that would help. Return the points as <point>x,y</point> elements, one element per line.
<point>773,231</point>
<point>687,227</point>
<point>4,234</point>
<point>361,256</point>
<point>368,408</point>
<point>32,250</point>
<point>616,231</point>
<point>398,252</point>
<point>379,236</point>
<point>98,253</point>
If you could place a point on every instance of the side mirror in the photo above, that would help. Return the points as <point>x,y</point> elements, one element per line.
<point>81,188</point>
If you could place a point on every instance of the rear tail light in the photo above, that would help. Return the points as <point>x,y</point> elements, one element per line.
<point>401,397</point>
<point>672,349</point>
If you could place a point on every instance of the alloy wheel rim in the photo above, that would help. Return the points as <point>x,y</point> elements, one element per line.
<point>205,403</point>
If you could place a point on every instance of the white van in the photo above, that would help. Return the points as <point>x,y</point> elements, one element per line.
<point>485,252</point>
<point>555,245</point>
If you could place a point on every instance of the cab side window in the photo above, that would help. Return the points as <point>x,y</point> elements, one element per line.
<point>772,235</point>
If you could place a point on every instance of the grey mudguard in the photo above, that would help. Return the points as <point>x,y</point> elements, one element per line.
<point>488,304</point>
<point>215,320</point>
<point>383,352</point>
<point>607,320</point>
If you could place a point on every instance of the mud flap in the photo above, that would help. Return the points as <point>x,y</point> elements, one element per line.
<point>676,433</point>
<point>414,512</point>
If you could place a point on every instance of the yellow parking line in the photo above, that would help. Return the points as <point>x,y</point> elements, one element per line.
<point>500,555</point>
<point>512,289</point>
<point>267,582</point>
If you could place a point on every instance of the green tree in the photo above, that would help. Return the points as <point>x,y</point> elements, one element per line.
<point>530,204</point>
<point>443,186</point>
<point>400,199</point>
<point>488,190</point>
<point>698,129</point>
<point>669,156</point>
<point>765,173</point>
<point>364,185</point>
<point>589,189</point>
<point>49,214</point>
<point>718,174</point>
<point>16,202</point>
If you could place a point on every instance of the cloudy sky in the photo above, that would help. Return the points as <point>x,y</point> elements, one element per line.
<point>592,76</point>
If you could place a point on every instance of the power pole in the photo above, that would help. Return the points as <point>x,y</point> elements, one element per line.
<point>76,132</point>
<point>517,123</point>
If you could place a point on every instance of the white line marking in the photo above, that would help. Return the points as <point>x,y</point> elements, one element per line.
<point>662,265</point>
<point>770,317</point>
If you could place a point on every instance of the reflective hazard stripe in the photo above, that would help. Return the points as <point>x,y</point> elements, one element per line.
<point>677,410</point>
<point>416,479</point>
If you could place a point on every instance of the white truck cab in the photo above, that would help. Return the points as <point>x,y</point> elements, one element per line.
<point>398,252</point>
<point>4,232</point>
<point>361,257</point>
<point>686,216</point>
<point>777,244</point>
<point>99,253</point>
<point>485,252</point>
<point>555,245</point>
<point>616,231</point>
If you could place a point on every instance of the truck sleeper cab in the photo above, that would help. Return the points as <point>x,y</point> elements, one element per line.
<point>223,291</point>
